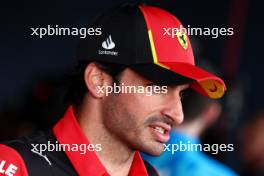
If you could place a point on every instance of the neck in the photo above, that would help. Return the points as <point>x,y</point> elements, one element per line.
<point>116,156</point>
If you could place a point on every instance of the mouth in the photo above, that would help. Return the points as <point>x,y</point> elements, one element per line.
<point>161,132</point>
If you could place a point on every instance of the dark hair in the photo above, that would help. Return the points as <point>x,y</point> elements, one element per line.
<point>76,86</point>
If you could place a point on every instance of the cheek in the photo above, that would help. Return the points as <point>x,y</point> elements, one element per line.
<point>121,115</point>
<point>128,112</point>
<point>138,104</point>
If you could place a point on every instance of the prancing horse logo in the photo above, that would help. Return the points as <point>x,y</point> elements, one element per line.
<point>182,38</point>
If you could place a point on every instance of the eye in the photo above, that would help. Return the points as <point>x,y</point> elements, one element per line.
<point>153,84</point>
<point>182,94</point>
<point>157,89</point>
<point>183,91</point>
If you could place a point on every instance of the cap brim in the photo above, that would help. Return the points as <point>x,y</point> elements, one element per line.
<point>178,73</point>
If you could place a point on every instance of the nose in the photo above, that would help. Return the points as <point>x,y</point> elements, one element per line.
<point>173,108</point>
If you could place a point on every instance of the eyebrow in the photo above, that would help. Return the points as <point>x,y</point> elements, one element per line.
<point>184,87</point>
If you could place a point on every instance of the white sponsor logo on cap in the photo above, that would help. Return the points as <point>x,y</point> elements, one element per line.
<point>108,43</point>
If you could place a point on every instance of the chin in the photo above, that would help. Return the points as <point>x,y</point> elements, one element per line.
<point>154,149</point>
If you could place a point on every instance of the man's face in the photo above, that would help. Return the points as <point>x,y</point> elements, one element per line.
<point>143,122</point>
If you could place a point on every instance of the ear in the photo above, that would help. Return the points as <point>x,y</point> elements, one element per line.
<point>96,80</point>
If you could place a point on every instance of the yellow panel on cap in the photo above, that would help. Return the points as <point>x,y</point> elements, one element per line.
<point>153,50</point>
<point>213,88</point>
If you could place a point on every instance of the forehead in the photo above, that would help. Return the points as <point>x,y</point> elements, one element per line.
<point>130,76</point>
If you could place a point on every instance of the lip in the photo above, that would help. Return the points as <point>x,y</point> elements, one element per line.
<point>163,138</point>
<point>161,125</point>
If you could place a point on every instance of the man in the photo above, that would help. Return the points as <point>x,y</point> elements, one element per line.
<point>133,50</point>
<point>199,114</point>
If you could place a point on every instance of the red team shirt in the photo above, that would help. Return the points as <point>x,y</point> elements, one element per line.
<point>66,131</point>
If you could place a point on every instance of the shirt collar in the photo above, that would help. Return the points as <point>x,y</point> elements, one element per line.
<point>68,131</point>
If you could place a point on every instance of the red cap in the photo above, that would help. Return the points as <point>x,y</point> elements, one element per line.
<point>149,40</point>
<point>172,50</point>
